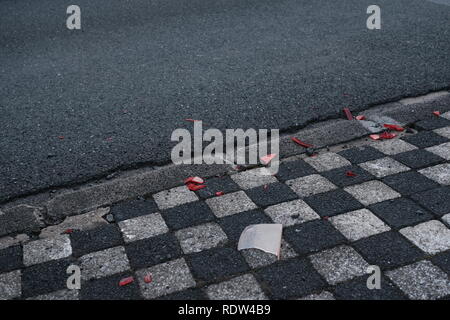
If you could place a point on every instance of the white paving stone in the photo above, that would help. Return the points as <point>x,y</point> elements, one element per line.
<point>230,204</point>
<point>339,264</point>
<point>292,212</point>
<point>445,132</point>
<point>431,236</point>
<point>10,285</point>
<point>358,224</point>
<point>442,150</point>
<point>174,197</point>
<point>44,250</point>
<point>383,167</point>
<point>327,161</point>
<point>309,185</point>
<point>421,281</point>
<point>393,146</point>
<point>202,237</point>
<point>253,178</point>
<point>143,227</point>
<point>104,263</point>
<point>240,288</point>
<point>167,278</point>
<point>439,173</point>
<point>371,192</point>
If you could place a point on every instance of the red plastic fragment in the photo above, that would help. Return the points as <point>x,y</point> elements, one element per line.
<point>126,281</point>
<point>197,180</point>
<point>220,193</point>
<point>267,158</point>
<point>375,136</point>
<point>68,231</point>
<point>360,117</point>
<point>350,174</point>
<point>394,127</point>
<point>348,113</point>
<point>301,143</point>
<point>195,187</point>
<point>148,278</point>
<point>437,113</point>
<point>387,135</point>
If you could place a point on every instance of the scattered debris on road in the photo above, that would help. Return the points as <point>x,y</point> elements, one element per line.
<point>301,143</point>
<point>267,158</point>
<point>126,281</point>
<point>348,113</point>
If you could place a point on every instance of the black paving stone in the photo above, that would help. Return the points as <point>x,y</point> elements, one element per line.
<point>97,239</point>
<point>356,289</point>
<point>293,278</point>
<point>152,251</point>
<point>425,139</point>
<point>294,169</point>
<point>312,236</point>
<point>45,277</point>
<point>214,264</point>
<point>271,194</point>
<point>435,200</point>
<point>213,185</point>
<point>361,154</point>
<point>132,209</point>
<point>10,259</point>
<point>432,123</point>
<point>108,289</point>
<point>388,250</point>
<point>234,225</point>
<point>340,178</point>
<point>418,158</point>
<point>187,215</point>
<point>189,294</point>
<point>333,202</point>
<point>401,212</point>
<point>442,260</point>
<point>410,182</point>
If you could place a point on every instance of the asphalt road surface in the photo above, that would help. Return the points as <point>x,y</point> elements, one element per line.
<point>77,104</point>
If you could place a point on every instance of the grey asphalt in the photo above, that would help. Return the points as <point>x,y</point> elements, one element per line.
<point>75,105</point>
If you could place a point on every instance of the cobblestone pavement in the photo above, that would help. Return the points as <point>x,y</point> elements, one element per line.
<point>393,213</point>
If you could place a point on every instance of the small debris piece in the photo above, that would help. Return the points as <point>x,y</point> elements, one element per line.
<point>325,218</point>
<point>68,231</point>
<point>219,193</point>
<point>196,180</point>
<point>266,237</point>
<point>437,113</point>
<point>61,137</point>
<point>265,187</point>
<point>267,158</point>
<point>387,135</point>
<point>126,281</point>
<point>301,143</point>
<point>195,187</point>
<point>394,127</point>
<point>148,278</point>
<point>350,174</point>
<point>360,117</point>
<point>348,113</point>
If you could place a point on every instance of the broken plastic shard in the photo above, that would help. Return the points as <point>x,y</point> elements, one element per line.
<point>219,193</point>
<point>394,127</point>
<point>267,158</point>
<point>266,237</point>
<point>350,174</point>
<point>348,114</point>
<point>197,180</point>
<point>126,281</point>
<point>375,136</point>
<point>148,278</point>
<point>437,113</point>
<point>360,117</point>
<point>387,135</point>
<point>195,187</point>
<point>301,143</point>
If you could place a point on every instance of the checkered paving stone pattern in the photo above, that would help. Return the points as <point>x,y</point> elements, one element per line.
<point>393,212</point>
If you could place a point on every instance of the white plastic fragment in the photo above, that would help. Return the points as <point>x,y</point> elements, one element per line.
<point>266,237</point>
